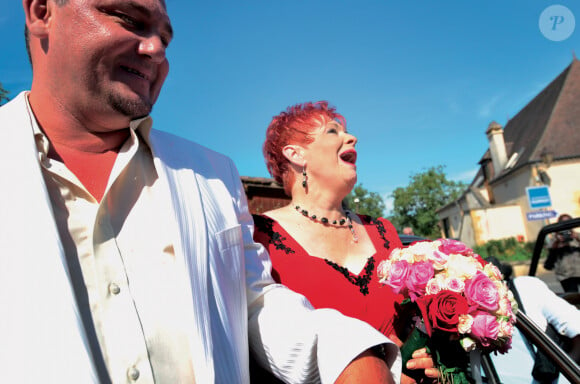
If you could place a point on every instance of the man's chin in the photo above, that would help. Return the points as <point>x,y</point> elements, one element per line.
<point>131,107</point>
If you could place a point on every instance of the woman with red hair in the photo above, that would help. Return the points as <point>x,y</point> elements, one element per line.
<point>317,246</point>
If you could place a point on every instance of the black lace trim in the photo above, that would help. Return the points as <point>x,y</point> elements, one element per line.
<point>361,282</point>
<point>266,225</point>
<point>382,231</point>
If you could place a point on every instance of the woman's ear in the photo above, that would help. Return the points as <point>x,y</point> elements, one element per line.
<point>294,154</point>
<point>37,14</point>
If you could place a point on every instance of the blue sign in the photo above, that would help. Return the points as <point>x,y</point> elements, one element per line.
<point>541,215</point>
<point>539,197</point>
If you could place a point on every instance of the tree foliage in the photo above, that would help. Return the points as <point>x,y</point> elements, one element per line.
<point>369,203</point>
<point>3,95</point>
<point>416,204</point>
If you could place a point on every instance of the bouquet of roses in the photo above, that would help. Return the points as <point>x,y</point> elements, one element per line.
<point>462,302</point>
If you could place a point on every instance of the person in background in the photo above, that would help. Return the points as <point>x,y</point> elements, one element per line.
<point>318,248</point>
<point>127,252</point>
<point>522,364</point>
<point>564,257</point>
<point>408,231</point>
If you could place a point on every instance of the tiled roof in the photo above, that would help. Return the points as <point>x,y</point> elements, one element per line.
<point>549,123</point>
<point>262,186</point>
<point>260,181</point>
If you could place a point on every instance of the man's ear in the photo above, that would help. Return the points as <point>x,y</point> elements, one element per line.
<point>38,13</point>
<point>294,154</point>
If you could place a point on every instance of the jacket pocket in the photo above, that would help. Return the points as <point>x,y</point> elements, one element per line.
<point>229,267</point>
<point>229,288</point>
<point>230,246</point>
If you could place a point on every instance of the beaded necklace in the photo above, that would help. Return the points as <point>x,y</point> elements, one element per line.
<point>343,222</point>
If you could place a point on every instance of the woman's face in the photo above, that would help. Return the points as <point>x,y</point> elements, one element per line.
<point>331,157</point>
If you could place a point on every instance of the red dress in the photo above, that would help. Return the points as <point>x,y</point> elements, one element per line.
<point>327,284</point>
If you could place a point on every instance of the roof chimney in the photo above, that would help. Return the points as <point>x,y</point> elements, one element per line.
<point>496,147</point>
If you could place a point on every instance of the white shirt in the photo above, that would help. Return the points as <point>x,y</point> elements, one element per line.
<point>136,291</point>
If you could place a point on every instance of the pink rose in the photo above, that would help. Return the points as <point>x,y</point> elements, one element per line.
<point>449,246</point>
<point>480,290</point>
<point>485,328</point>
<point>398,275</point>
<point>418,278</point>
<point>456,285</point>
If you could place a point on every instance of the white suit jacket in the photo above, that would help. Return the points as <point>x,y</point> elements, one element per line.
<point>42,339</point>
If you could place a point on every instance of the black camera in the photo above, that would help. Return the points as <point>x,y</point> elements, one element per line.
<point>566,236</point>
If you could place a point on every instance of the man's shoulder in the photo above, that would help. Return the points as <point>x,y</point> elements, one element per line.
<point>169,143</point>
<point>180,153</point>
<point>16,105</point>
<point>14,119</point>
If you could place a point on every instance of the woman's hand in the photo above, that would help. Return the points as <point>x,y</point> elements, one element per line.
<point>421,360</point>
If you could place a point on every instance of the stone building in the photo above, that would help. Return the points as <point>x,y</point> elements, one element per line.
<point>539,147</point>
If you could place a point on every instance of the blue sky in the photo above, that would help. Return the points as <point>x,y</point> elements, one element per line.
<point>417,81</point>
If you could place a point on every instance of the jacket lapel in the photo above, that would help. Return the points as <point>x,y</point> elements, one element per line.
<point>191,244</point>
<point>40,322</point>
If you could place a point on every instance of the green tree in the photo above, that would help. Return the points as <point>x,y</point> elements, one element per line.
<point>415,205</point>
<point>3,95</point>
<point>369,203</point>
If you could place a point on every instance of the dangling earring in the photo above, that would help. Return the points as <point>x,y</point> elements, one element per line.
<point>304,184</point>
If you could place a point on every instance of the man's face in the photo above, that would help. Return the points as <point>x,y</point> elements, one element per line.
<point>108,56</point>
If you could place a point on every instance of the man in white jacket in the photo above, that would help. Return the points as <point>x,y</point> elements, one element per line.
<point>127,253</point>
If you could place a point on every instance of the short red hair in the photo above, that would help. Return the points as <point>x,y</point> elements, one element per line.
<point>294,126</point>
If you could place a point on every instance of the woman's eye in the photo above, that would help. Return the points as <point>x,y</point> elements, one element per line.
<point>332,130</point>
